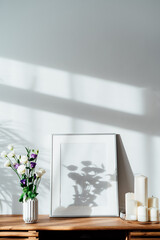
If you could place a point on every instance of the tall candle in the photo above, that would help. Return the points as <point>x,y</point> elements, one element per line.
<point>153,202</point>
<point>141,190</point>
<point>142,214</point>
<point>130,206</point>
<point>153,214</point>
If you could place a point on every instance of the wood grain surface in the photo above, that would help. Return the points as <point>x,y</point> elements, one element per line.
<point>15,222</point>
<point>18,234</point>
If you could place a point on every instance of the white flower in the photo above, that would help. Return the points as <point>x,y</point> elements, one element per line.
<point>11,147</point>
<point>40,172</point>
<point>14,161</point>
<point>24,159</point>
<point>21,169</point>
<point>7,163</point>
<point>4,154</point>
<point>11,154</point>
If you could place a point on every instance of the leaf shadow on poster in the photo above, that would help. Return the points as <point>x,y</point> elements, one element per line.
<point>89,183</point>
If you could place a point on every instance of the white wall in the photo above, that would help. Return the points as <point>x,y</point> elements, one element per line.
<point>79,67</point>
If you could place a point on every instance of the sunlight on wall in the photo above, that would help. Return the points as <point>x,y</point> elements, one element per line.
<point>109,94</point>
<point>85,89</point>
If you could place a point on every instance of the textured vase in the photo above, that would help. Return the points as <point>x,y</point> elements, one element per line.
<point>30,210</point>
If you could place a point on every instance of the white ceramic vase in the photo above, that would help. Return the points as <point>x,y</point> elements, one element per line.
<point>30,210</point>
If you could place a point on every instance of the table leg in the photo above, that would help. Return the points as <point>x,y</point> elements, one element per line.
<point>128,236</point>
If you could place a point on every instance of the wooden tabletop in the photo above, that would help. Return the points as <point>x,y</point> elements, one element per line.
<point>15,222</point>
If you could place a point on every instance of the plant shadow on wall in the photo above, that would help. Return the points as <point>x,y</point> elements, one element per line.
<point>89,183</point>
<point>7,195</point>
<point>8,134</point>
<point>10,189</point>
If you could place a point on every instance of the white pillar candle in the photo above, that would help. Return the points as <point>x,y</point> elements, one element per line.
<point>153,202</point>
<point>141,190</point>
<point>142,214</point>
<point>153,214</point>
<point>130,206</point>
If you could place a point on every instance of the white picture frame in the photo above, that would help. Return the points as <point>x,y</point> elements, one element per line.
<point>84,180</point>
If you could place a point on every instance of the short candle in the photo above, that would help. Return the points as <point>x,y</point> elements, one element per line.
<point>142,214</point>
<point>153,214</point>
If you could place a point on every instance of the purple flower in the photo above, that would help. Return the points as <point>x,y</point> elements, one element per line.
<point>24,182</point>
<point>33,155</point>
<point>16,165</point>
<point>33,164</point>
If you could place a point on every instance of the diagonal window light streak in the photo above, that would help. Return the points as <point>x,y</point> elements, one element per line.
<point>85,89</point>
<point>77,109</point>
<point>109,94</point>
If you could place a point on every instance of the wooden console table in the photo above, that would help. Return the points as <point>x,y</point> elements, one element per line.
<point>13,226</point>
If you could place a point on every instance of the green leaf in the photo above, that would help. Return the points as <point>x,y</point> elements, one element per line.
<point>31,159</point>
<point>35,189</point>
<point>28,151</point>
<point>30,187</point>
<point>22,185</point>
<point>33,196</point>
<point>21,197</point>
<point>25,189</point>
<point>30,179</point>
<point>29,194</point>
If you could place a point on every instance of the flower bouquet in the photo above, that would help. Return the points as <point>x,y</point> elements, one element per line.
<point>24,166</point>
